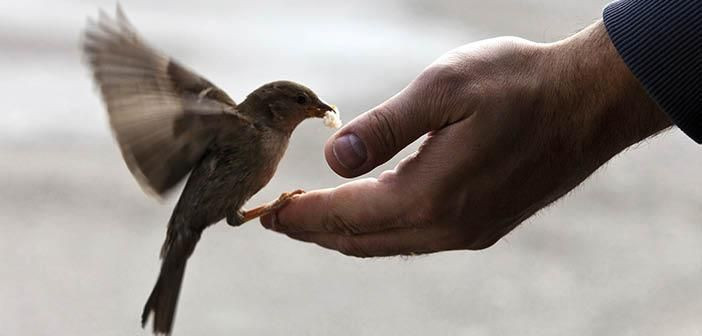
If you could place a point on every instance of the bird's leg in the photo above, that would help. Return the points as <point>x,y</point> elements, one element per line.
<point>265,209</point>
<point>236,218</point>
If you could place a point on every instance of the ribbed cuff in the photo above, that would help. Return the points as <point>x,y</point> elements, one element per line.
<point>661,42</point>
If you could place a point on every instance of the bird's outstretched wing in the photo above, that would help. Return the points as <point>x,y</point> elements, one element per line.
<point>163,115</point>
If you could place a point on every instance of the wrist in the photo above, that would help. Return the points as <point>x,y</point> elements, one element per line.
<point>610,108</point>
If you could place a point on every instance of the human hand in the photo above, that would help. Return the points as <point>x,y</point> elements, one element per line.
<point>512,126</point>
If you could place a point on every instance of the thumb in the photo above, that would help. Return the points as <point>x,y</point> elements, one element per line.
<point>377,135</point>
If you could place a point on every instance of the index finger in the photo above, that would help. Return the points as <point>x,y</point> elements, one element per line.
<point>361,206</point>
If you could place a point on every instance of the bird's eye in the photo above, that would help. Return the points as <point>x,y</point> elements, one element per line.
<point>301,99</point>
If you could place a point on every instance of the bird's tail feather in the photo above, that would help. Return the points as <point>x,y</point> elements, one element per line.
<point>164,297</point>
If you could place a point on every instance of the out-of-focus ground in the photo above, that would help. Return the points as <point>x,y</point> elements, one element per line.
<point>79,242</point>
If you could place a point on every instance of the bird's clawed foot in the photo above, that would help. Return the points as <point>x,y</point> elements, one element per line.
<point>283,199</point>
<point>247,215</point>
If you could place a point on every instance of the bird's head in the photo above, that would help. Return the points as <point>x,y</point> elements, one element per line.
<point>284,104</point>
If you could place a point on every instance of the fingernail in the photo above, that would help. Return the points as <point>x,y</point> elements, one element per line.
<point>350,151</point>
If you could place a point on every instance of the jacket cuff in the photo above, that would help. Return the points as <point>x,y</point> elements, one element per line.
<point>661,42</point>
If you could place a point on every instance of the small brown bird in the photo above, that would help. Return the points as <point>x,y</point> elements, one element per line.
<point>169,122</point>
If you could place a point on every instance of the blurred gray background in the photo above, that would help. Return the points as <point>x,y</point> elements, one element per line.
<point>79,241</point>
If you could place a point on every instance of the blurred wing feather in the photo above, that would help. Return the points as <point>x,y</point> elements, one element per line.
<point>163,115</point>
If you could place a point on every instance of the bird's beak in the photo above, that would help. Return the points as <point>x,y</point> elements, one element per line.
<point>320,109</point>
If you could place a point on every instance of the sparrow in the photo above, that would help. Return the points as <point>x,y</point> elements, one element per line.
<point>170,122</point>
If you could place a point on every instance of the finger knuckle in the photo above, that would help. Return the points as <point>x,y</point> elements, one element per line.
<point>351,247</point>
<point>444,78</point>
<point>442,87</point>
<point>339,224</point>
<point>384,129</point>
<point>335,222</point>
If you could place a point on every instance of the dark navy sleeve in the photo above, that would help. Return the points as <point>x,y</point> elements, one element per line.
<point>661,42</point>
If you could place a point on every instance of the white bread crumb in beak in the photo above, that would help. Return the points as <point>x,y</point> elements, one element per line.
<point>332,119</point>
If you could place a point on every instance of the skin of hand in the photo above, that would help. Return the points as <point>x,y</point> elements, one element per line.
<point>511,127</point>
<point>169,121</point>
